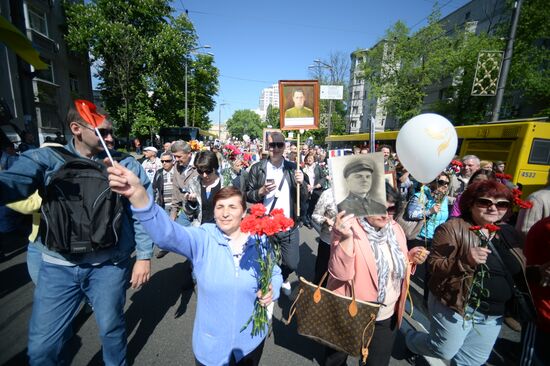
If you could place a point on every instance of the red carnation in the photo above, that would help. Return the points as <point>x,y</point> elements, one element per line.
<point>257,210</point>
<point>475,228</point>
<point>491,227</point>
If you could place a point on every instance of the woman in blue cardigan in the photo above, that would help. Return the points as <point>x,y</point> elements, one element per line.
<point>225,262</point>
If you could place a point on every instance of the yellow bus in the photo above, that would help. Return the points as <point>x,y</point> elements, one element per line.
<point>524,145</point>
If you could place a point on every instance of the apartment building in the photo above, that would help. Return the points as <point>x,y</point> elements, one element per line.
<point>39,99</point>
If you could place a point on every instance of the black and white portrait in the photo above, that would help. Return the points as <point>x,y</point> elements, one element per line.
<point>359,184</point>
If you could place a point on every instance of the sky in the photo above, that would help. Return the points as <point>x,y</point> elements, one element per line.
<point>256,43</point>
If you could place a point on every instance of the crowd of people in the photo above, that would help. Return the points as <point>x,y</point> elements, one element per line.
<point>478,256</point>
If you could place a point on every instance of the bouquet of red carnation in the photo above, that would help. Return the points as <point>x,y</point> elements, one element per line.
<point>230,152</point>
<point>454,167</point>
<point>518,201</point>
<point>477,291</point>
<point>259,223</point>
<point>502,176</point>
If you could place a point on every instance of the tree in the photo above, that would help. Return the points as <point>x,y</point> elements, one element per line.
<point>331,71</point>
<point>530,71</point>
<point>273,116</point>
<point>140,51</point>
<point>400,67</point>
<point>245,122</point>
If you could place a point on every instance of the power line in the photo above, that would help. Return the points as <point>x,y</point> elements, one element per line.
<point>243,79</point>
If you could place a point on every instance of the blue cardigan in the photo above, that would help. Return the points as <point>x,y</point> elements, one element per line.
<point>226,293</point>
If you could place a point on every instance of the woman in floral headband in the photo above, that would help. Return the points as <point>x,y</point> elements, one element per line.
<point>477,269</point>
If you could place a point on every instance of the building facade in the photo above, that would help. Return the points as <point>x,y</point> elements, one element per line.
<point>268,96</point>
<point>476,16</point>
<point>39,99</point>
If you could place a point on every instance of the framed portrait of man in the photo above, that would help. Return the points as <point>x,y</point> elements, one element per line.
<point>359,184</point>
<point>265,135</point>
<point>299,104</point>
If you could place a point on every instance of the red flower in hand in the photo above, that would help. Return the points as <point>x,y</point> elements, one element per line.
<point>257,210</point>
<point>475,228</point>
<point>491,227</point>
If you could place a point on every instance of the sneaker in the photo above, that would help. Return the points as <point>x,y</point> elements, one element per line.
<point>286,288</point>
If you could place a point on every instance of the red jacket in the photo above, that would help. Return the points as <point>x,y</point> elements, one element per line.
<point>537,252</point>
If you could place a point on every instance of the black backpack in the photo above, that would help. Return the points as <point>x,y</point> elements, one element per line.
<point>80,213</point>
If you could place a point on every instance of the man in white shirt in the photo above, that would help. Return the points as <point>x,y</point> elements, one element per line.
<point>273,182</point>
<point>151,163</point>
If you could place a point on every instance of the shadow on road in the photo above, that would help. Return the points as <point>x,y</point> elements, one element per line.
<point>13,278</point>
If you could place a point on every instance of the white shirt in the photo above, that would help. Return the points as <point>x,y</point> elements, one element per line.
<point>284,194</point>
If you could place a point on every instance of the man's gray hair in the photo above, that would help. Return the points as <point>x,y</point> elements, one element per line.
<point>470,157</point>
<point>180,145</point>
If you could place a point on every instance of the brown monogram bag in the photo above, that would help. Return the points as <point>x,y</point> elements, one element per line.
<point>340,322</point>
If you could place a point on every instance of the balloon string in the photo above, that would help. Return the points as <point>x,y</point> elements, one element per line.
<point>422,201</point>
<point>104,146</point>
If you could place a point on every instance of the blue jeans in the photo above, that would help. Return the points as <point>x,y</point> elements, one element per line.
<point>57,298</point>
<point>34,261</point>
<point>453,338</point>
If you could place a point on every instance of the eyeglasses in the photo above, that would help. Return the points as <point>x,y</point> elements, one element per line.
<point>278,145</point>
<point>207,172</point>
<point>442,182</point>
<point>166,161</point>
<point>486,203</point>
<point>104,132</point>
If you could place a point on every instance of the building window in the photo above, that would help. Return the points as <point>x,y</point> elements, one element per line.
<point>467,16</point>
<point>73,84</point>
<point>353,124</point>
<point>354,110</point>
<point>356,94</point>
<point>46,74</point>
<point>37,20</point>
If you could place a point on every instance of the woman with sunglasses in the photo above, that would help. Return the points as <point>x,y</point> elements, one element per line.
<point>458,251</point>
<point>202,188</point>
<point>372,251</point>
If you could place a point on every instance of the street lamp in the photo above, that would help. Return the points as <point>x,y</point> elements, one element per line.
<point>220,120</point>
<point>320,64</point>
<point>192,51</point>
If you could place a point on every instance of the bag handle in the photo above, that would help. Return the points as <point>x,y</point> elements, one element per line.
<point>365,347</point>
<point>352,308</point>
<point>292,310</point>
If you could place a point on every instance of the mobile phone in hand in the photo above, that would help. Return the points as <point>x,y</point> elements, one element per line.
<point>270,181</point>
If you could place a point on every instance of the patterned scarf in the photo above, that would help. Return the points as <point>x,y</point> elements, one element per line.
<point>385,236</point>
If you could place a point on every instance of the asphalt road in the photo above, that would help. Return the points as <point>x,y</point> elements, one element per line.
<point>160,318</point>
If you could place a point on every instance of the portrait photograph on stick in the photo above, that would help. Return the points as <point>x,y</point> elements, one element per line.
<point>299,104</point>
<point>359,184</point>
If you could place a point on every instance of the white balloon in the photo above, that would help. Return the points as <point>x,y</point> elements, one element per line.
<point>246,138</point>
<point>425,145</point>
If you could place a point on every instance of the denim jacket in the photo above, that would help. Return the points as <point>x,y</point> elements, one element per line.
<point>226,291</point>
<point>420,204</point>
<point>34,169</point>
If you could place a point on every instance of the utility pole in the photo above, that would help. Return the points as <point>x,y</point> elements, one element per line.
<point>507,61</point>
<point>191,52</point>
<point>320,64</point>
<point>220,121</point>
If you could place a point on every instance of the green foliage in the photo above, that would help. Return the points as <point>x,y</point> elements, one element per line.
<point>247,122</point>
<point>140,51</point>
<point>530,71</point>
<point>272,117</point>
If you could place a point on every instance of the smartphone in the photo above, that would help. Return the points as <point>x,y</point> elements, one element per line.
<point>270,181</point>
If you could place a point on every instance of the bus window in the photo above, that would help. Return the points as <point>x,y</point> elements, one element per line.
<point>488,149</point>
<point>540,152</point>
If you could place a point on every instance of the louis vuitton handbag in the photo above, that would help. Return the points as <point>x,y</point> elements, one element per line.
<point>340,322</point>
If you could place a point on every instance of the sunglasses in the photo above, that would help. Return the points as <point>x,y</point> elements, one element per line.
<point>486,203</point>
<point>278,145</point>
<point>166,161</point>
<point>442,182</point>
<point>104,132</point>
<point>207,172</point>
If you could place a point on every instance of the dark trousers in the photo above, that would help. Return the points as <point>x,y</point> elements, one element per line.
<point>289,244</point>
<point>380,347</point>
<point>321,263</point>
<point>428,244</point>
<point>251,359</point>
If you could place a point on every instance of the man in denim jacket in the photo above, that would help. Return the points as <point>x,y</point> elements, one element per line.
<point>64,280</point>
